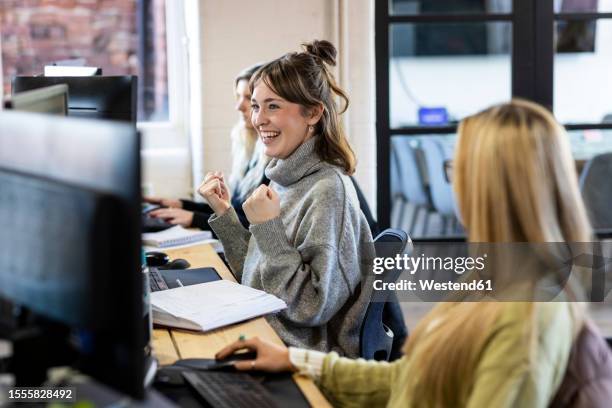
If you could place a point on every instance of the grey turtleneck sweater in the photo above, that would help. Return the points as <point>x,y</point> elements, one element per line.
<point>310,256</point>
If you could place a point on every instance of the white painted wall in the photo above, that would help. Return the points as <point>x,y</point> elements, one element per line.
<point>357,53</point>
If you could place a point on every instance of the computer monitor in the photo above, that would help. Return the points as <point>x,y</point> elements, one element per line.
<point>97,97</point>
<point>70,246</point>
<point>51,99</point>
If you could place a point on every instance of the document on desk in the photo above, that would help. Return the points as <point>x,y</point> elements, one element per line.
<point>174,236</point>
<point>211,305</point>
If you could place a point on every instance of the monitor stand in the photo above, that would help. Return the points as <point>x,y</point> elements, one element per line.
<point>150,371</point>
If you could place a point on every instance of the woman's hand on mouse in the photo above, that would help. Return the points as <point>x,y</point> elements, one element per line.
<point>270,357</point>
<point>262,206</point>
<point>175,216</point>
<point>214,190</point>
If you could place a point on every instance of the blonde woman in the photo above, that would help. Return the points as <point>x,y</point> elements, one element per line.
<point>515,182</point>
<point>248,164</point>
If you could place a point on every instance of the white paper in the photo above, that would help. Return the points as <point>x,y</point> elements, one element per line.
<point>211,305</point>
<point>175,236</point>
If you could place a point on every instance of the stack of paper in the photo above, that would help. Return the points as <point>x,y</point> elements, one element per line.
<point>174,236</point>
<point>211,305</point>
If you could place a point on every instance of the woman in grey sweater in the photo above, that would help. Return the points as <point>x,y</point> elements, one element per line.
<point>308,240</point>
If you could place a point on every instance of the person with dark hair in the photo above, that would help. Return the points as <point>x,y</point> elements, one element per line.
<point>248,164</point>
<point>307,236</point>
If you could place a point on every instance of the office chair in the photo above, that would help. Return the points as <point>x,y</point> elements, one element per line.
<point>597,191</point>
<point>441,190</point>
<point>383,330</point>
<point>413,188</point>
<point>365,208</point>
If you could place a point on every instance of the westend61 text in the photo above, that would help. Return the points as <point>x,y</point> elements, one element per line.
<point>430,284</point>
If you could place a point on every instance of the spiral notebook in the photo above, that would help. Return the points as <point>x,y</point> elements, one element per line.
<point>211,305</point>
<point>174,236</point>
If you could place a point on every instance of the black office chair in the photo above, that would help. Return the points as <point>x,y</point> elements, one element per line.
<point>597,190</point>
<point>383,330</point>
<point>365,208</point>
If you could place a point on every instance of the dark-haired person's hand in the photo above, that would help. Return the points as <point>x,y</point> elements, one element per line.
<point>214,190</point>
<point>164,202</point>
<point>175,216</point>
<point>270,357</point>
<point>262,206</point>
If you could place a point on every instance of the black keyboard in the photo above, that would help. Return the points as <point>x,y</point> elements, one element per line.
<point>230,390</point>
<point>156,282</point>
<point>151,224</point>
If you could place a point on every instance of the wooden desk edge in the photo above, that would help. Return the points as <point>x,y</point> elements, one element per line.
<point>311,391</point>
<point>168,342</point>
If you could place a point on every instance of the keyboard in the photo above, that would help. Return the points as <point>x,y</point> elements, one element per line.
<point>151,224</point>
<point>230,390</point>
<point>156,281</point>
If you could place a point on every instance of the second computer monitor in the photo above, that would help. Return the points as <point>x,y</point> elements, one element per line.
<point>96,97</point>
<point>51,99</point>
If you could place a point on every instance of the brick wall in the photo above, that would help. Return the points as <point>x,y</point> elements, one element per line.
<point>35,32</point>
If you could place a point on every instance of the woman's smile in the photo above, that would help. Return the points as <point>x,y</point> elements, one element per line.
<point>268,136</point>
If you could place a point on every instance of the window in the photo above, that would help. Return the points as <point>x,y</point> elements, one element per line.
<point>440,60</point>
<point>582,45</point>
<point>123,37</point>
<point>436,62</point>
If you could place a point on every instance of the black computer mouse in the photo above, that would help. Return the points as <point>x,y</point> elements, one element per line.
<point>178,263</point>
<point>226,364</point>
<point>156,258</point>
<point>171,375</point>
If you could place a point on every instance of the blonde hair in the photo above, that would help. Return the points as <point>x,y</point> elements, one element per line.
<point>305,79</point>
<point>248,159</point>
<point>514,181</point>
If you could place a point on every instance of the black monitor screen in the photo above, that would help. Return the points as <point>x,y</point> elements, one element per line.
<point>44,248</point>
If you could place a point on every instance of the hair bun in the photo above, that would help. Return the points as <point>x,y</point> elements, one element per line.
<point>323,50</point>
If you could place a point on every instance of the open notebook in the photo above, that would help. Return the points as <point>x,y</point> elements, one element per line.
<point>174,236</point>
<point>211,305</point>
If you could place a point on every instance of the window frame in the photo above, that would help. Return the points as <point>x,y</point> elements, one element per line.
<point>172,133</point>
<point>532,68</point>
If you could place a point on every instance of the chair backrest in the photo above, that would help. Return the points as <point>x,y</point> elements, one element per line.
<point>596,190</point>
<point>365,208</point>
<point>412,184</point>
<point>440,188</point>
<point>383,329</point>
<point>394,173</point>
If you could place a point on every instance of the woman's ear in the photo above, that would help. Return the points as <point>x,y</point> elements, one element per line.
<point>314,114</point>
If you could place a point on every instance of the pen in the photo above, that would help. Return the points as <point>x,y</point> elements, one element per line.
<point>180,283</point>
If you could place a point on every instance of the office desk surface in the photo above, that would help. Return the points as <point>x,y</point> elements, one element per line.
<point>174,344</point>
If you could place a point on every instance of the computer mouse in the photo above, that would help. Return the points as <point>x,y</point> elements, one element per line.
<point>154,258</point>
<point>170,375</point>
<point>178,263</point>
<point>226,364</point>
